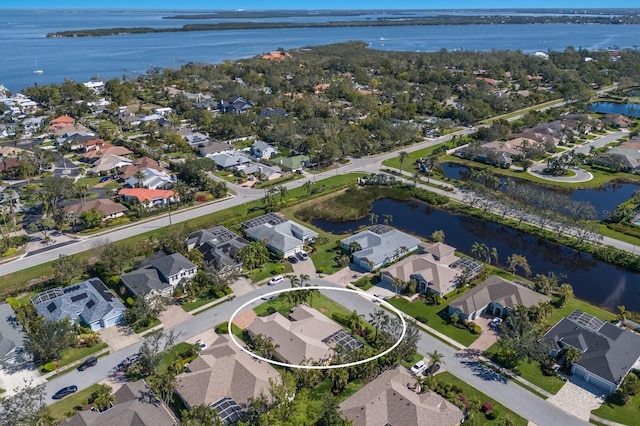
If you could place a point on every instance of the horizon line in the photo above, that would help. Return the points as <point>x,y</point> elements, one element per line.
<point>316,9</point>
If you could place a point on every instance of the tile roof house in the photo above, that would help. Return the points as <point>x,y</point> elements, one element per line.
<point>224,371</point>
<point>135,405</point>
<point>496,296</point>
<point>389,400</point>
<point>108,208</point>
<point>219,247</point>
<point>140,164</point>
<point>148,197</point>
<point>282,236</point>
<point>432,269</point>
<point>107,149</point>
<point>262,150</point>
<point>160,277</point>
<point>108,162</point>
<point>89,301</point>
<point>378,246</point>
<point>153,179</point>
<point>608,352</point>
<point>12,337</point>
<point>302,337</point>
<point>60,122</point>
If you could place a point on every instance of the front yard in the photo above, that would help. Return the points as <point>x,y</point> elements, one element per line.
<point>626,414</point>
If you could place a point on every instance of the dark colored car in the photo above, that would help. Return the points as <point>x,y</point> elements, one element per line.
<point>292,259</point>
<point>89,362</point>
<point>65,392</point>
<point>130,360</point>
<point>432,369</point>
<point>104,179</point>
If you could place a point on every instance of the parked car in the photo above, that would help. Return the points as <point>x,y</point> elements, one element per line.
<point>104,179</point>
<point>495,322</point>
<point>292,259</point>
<point>130,360</point>
<point>418,367</point>
<point>202,345</point>
<point>302,255</point>
<point>89,362</point>
<point>65,392</point>
<point>432,369</point>
<point>276,280</point>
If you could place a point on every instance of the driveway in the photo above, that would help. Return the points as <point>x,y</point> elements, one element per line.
<point>578,398</point>
<point>488,337</point>
<point>346,275</point>
<point>173,315</point>
<point>118,337</point>
<point>12,379</point>
<point>305,267</point>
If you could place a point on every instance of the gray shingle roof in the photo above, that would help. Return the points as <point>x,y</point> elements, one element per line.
<point>90,300</point>
<point>378,247</point>
<point>497,289</point>
<point>280,234</point>
<point>11,332</point>
<point>173,264</point>
<point>609,351</point>
<point>142,281</point>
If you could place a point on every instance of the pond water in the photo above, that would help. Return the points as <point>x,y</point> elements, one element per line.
<point>605,198</point>
<point>632,110</point>
<point>596,282</point>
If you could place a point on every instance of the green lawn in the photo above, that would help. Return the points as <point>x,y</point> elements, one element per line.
<point>530,371</point>
<point>575,304</point>
<point>70,355</point>
<point>75,402</point>
<point>471,392</point>
<point>320,302</point>
<point>190,306</point>
<point>171,355</point>
<point>317,393</point>
<point>270,269</point>
<point>420,308</point>
<point>626,415</point>
<point>408,164</point>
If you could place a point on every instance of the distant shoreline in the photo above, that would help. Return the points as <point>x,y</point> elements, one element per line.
<point>380,22</point>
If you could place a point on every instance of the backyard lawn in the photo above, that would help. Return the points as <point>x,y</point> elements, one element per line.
<point>435,321</point>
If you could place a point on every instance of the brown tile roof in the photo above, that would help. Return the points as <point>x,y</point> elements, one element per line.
<point>143,194</point>
<point>103,205</point>
<point>390,399</point>
<point>224,370</point>
<point>106,149</point>
<point>138,165</point>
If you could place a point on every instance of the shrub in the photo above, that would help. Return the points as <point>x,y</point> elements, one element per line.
<point>130,301</point>
<point>271,310</point>
<point>476,329</point>
<point>10,252</point>
<point>49,367</point>
<point>492,415</point>
<point>422,319</point>
<point>223,328</point>
<point>278,269</point>
<point>320,270</point>
<point>201,198</point>
<point>486,407</point>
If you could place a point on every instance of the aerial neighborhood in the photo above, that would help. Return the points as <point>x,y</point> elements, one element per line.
<point>405,238</point>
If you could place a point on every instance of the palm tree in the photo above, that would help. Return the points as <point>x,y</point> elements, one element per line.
<point>494,255</point>
<point>435,357</point>
<point>397,284</point>
<point>387,218</point>
<point>622,313</point>
<point>378,319</point>
<point>253,255</point>
<point>102,398</point>
<point>283,191</point>
<point>139,175</point>
<point>304,278</point>
<point>403,155</point>
<point>373,218</point>
<point>293,279</point>
<point>480,250</point>
<point>307,187</point>
<point>571,356</point>
<point>200,415</point>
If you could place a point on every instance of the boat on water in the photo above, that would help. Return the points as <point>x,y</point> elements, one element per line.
<point>37,70</point>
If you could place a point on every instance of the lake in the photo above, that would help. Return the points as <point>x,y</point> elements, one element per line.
<point>631,110</point>
<point>596,282</point>
<point>22,36</point>
<point>604,199</point>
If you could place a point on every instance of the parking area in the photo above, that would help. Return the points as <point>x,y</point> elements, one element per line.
<point>489,334</point>
<point>174,314</point>
<point>118,337</point>
<point>578,398</point>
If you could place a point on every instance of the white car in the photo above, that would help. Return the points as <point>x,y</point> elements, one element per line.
<point>201,344</point>
<point>276,280</point>
<point>418,367</point>
<point>495,322</point>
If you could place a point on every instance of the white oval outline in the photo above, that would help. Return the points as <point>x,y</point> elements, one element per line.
<point>317,367</point>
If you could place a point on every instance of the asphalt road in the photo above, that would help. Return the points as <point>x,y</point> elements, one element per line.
<point>507,393</point>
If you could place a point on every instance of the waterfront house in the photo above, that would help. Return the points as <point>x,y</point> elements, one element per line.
<point>282,236</point>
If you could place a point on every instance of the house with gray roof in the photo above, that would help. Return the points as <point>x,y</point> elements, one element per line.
<point>219,247</point>
<point>160,277</point>
<point>228,160</point>
<point>257,169</point>
<point>390,399</point>
<point>89,301</point>
<point>306,335</point>
<point>225,377</point>
<point>212,148</point>
<point>12,335</point>
<point>495,296</point>
<point>378,246</point>
<point>135,405</point>
<point>282,236</point>
<point>262,150</point>
<point>608,352</point>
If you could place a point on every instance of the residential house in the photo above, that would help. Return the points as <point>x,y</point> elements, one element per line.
<point>135,405</point>
<point>234,159</point>
<point>625,156</point>
<point>7,151</point>
<point>296,162</point>
<point>107,149</point>
<point>108,163</point>
<point>608,352</point>
<point>152,179</point>
<point>211,148</point>
<point>106,207</point>
<point>378,246</point>
<point>160,277</point>
<point>33,124</point>
<point>140,164</point>
<point>163,111</point>
<point>619,121</point>
<point>435,269</point>
<point>390,399</point>
<point>305,335</point>
<point>226,378</point>
<point>219,247</point>
<point>96,86</point>
<point>236,105</point>
<point>12,336</point>
<point>282,236</point>
<point>89,301</point>
<point>259,169</point>
<point>276,55</point>
<point>67,131</point>
<point>74,141</point>
<point>272,112</point>
<point>60,122</point>
<point>193,138</point>
<point>9,167</point>
<point>262,150</point>
<point>495,296</point>
<point>148,197</point>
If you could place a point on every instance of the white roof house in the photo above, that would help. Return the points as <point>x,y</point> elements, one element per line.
<point>379,245</point>
<point>281,235</point>
<point>153,179</point>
